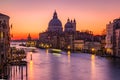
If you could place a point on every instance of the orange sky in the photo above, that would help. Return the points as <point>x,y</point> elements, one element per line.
<point>33,16</point>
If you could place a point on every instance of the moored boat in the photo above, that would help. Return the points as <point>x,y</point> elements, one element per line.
<point>55,51</point>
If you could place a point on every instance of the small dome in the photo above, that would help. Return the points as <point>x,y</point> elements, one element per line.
<point>68,25</point>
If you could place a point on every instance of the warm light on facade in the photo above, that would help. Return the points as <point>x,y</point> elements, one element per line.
<point>68,47</point>
<point>108,50</point>
<point>93,49</point>
<point>1,35</point>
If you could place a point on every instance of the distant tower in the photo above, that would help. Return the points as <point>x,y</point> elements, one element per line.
<point>74,25</point>
<point>29,37</point>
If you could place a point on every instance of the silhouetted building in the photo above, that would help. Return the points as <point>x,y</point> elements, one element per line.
<point>55,37</point>
<point>117,34</point>
<point>29,37</point>
<point>55,24</point>
<point>4,44</point>
<point>70,26</point>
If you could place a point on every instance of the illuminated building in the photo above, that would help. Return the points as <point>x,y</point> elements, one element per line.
<point>92,46</point>
<point>78,45</point>
<point>109,38</point>
<point>55,37</point>
<point>30,42</point>
<point>113,37</point>
<point>117,42</point>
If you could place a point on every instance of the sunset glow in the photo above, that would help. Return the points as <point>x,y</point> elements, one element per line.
<point>33,16</point>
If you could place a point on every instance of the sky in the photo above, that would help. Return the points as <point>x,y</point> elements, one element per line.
<point>33,16</point>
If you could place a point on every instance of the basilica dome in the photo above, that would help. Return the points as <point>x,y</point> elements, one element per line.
<point>55,24</point>
<point>68,24</point>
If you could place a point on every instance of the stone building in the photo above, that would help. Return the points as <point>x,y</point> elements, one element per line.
<point>113,37</point>
<point>109,38</point>
<point>68,38</point>
<point>4,44</point>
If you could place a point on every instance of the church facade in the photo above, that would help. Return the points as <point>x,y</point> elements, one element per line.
<point>55,37</point>
<point>65,38</point>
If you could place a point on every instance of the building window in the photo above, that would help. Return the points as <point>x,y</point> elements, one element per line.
<point>1,47</point>
<point>4,24</point>
<point>1,35</point>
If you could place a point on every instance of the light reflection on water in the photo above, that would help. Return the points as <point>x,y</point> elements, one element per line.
<point>30,69</point>
<point>68,53</point>
<point>93,67</point>
<point>69,66</point>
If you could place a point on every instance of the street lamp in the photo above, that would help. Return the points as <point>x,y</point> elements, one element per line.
<point>30,55</point>
<point>93,50</point>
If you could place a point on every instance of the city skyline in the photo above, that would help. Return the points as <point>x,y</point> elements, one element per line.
<point>33,16</point>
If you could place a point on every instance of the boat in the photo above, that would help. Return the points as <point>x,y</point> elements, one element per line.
<point>54,51</point>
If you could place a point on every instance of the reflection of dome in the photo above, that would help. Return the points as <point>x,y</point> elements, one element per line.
<point>55,24</point>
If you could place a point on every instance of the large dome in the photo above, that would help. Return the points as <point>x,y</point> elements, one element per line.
<point>55,24</point>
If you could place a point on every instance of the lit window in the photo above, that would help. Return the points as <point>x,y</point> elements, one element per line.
<point>1,35</point>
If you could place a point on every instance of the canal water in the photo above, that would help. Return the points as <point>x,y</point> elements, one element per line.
<point>42,65</point>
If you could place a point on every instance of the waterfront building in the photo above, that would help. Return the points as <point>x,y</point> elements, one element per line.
<point>78,45</point>
<point>30,42</point>
<point>55,37</point>
<point>117,42</point>
<point>109,38</point>
<point>92,46</point>
<point>69,39</point>
<point>113,37</point>
<point>4,45</point>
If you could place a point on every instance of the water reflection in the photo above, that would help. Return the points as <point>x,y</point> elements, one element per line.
<point>47,51</point>
<point>18,73</point>
<point>30,70</point>
<point>68,54</point>
<point>30,55</point>
<point>93,67</point>
<point>45,66</point>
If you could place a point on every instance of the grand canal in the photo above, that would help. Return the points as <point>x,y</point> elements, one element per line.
<point>42,65</point>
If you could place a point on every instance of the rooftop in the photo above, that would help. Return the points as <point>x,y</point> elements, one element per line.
<point>3,15</point>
